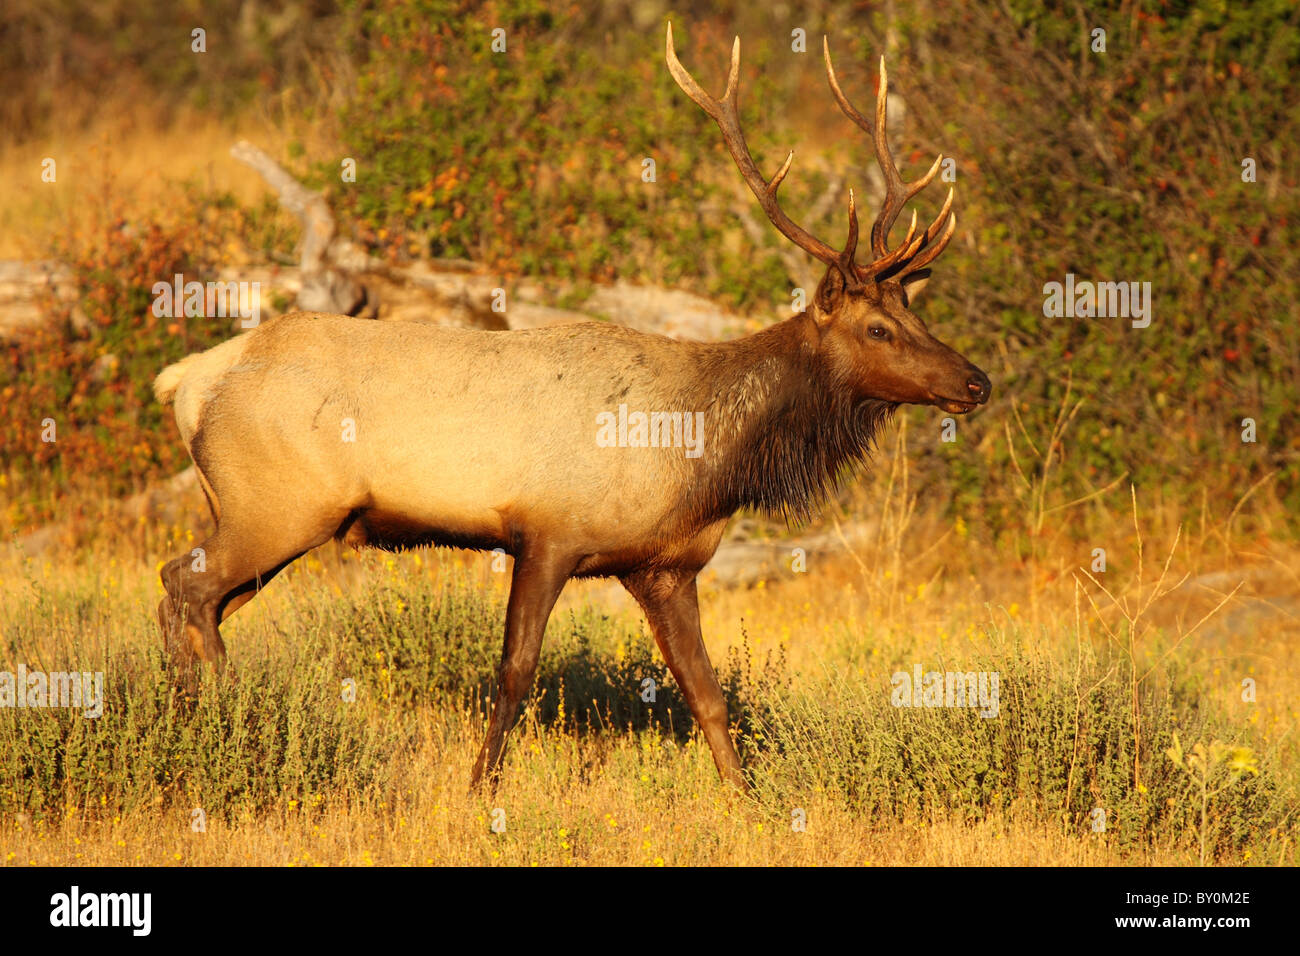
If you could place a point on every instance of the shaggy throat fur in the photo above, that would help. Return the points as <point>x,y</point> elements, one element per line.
<point>785,454</point>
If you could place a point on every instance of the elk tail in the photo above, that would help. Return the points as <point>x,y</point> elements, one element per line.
<point>188,384</point>
<point>169,379</point>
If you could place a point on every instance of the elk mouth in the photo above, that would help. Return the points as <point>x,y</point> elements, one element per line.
<point>954,406</point>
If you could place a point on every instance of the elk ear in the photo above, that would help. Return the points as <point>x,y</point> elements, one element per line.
<point>913,284</point>
<point>829,295</point>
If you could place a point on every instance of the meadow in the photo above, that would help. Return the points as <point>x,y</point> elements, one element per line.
<point>278,762</point>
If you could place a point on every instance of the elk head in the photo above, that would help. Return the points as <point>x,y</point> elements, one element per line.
<point>870,341</point>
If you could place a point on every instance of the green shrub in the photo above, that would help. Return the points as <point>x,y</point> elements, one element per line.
<point>1060,748</point>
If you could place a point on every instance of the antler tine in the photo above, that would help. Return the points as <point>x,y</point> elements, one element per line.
<point>723,112</point>
<point>851,243</point>
<point>846,107</point>
<point>939,220</point>
<point>897,192</point>
<point>904,255</point>
<point>693,90</point>
<point>931,252</point>
<point>905,250</point>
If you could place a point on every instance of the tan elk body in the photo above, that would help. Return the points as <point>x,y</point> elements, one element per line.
<point>396,435</point>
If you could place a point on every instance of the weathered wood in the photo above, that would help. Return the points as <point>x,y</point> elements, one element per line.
<point>325,286</point>
<point>24,289</point>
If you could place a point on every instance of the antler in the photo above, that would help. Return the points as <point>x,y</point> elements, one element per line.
<point>723,112</point>
<point>913,254</point>
<point>904,259</point>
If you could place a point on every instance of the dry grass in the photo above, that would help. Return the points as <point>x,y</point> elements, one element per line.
<point>637,797</point>
<point>613,819</point>
<point>144,164</point>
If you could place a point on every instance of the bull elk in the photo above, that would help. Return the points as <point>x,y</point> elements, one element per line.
<point>488,439</point>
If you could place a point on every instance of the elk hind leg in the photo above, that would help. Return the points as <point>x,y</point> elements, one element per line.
<point>222,574</point>
<point>672,608</point>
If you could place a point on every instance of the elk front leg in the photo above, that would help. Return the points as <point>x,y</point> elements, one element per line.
<point>672,607</point>
<point>534,587</point>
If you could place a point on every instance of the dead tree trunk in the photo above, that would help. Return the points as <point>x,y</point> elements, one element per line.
<point>325,286</point>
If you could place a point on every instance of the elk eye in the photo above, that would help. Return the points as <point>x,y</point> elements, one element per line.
<point>878,332</point>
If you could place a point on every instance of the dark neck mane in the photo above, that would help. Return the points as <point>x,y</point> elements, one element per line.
<point>785,432</point>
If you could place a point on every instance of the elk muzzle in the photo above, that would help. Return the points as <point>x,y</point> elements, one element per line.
<point>977,392</point>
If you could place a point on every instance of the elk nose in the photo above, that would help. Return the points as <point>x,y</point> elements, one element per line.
<point>979,386</point>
